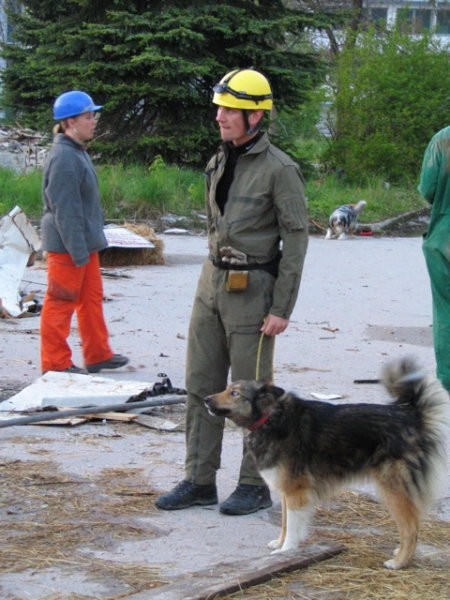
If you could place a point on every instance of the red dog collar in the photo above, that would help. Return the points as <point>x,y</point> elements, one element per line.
<point>259,423</point>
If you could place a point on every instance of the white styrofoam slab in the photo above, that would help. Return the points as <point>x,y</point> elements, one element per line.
<point>71,389</point>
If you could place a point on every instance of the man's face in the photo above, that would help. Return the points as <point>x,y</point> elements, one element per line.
<point>232,125</point>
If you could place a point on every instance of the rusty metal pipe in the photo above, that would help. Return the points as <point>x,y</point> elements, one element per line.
<point>60,414</point>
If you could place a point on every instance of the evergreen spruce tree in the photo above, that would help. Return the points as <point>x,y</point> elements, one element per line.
<point>152,65</point>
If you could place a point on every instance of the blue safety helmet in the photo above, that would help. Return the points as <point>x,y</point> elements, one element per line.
<point>72,104</point>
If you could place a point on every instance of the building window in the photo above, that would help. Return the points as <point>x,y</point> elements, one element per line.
<point>414,20</point>
<point>443,22</point>
<point>378,16</point>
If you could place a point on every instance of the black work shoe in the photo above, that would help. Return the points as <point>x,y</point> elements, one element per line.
<point>71,369</point>
<point>115,362</point>
<point>246,499</point>
<point>186,494</point>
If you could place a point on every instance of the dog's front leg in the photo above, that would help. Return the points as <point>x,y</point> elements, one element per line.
<point>276,544</point>
<point>297,521</point>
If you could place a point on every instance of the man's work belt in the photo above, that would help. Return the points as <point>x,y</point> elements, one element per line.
<point>271,267</point>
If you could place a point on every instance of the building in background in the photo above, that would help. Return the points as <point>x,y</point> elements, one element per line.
<point>6,29</point>
<point>415,16</point>
<point>5,25</point>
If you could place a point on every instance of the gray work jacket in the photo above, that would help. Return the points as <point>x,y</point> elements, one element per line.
<point>73,217</point>
<point>265,209</point>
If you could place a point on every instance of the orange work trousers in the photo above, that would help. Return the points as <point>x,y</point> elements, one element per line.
<point>73,289</point>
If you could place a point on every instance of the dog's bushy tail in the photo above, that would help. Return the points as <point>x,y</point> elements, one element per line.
<point>413,389</point>
<point>359,206</point>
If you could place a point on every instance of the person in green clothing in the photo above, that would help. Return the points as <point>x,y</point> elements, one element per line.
<point>435,188</point>
<point>257,235</point>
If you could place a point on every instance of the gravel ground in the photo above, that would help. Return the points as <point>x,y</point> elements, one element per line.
<point>362,302</point>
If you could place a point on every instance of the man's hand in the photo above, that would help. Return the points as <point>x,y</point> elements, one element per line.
<point>274,325</point>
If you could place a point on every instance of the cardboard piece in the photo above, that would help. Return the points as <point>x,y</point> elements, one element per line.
<point>121,237</point>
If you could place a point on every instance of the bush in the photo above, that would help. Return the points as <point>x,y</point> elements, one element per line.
<point>392,95</point>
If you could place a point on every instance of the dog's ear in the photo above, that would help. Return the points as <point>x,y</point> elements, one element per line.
<point>269,388</point>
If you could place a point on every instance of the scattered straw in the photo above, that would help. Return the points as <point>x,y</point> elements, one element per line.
<point>365,529</point>
<point>53,520</point>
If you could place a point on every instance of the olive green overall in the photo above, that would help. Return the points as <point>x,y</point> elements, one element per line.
<point>265,205</point>
<point>233,321</point>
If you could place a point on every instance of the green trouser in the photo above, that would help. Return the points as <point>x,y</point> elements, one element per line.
<point>436,248</point>
<point>224,335</point>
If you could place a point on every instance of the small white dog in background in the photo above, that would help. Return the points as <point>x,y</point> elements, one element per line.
<point>343,220</point>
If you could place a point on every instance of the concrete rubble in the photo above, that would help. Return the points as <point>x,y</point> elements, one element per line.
<point>22,149</point>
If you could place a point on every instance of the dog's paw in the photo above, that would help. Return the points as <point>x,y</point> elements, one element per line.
<point>274,544</point>
<point>392,564</point>
<point>343,236</point>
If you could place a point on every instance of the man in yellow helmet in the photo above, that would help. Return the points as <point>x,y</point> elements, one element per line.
<point>257,237</point>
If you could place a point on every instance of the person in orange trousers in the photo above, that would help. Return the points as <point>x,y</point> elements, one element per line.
<point>72,235</point>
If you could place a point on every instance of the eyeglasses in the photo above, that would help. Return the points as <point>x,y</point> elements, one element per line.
<point>222,88</point>
<point>90,116</point>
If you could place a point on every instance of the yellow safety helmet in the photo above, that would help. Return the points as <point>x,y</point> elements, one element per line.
<point>244,89</point>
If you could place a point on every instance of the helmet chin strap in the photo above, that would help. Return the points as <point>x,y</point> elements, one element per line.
<point>248,129</point>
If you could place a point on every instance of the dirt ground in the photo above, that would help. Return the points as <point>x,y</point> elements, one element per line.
<point>77,503</point>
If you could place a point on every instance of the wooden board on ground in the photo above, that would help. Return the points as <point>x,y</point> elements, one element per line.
<point>226,578</point>
<point>78,420</point>
<point>67,421</point>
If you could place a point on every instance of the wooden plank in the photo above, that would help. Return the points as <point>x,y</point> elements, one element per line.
<point>107,416</point>
<point>226,578</point>
<point>68,421</point>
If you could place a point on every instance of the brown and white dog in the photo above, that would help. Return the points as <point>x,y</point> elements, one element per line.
<point>344,220</point>
<point>308,449</point>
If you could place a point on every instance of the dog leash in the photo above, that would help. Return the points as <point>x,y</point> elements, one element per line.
<point>258,356</point>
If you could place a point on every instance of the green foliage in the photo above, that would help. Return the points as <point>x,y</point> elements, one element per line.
<point>152,64</point>
<point>392,95</point>
<point>296,131</point>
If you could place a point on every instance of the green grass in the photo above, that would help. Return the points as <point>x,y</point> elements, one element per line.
<point>143,193</point>
<point>19,189</point>
<point>140,193</point>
